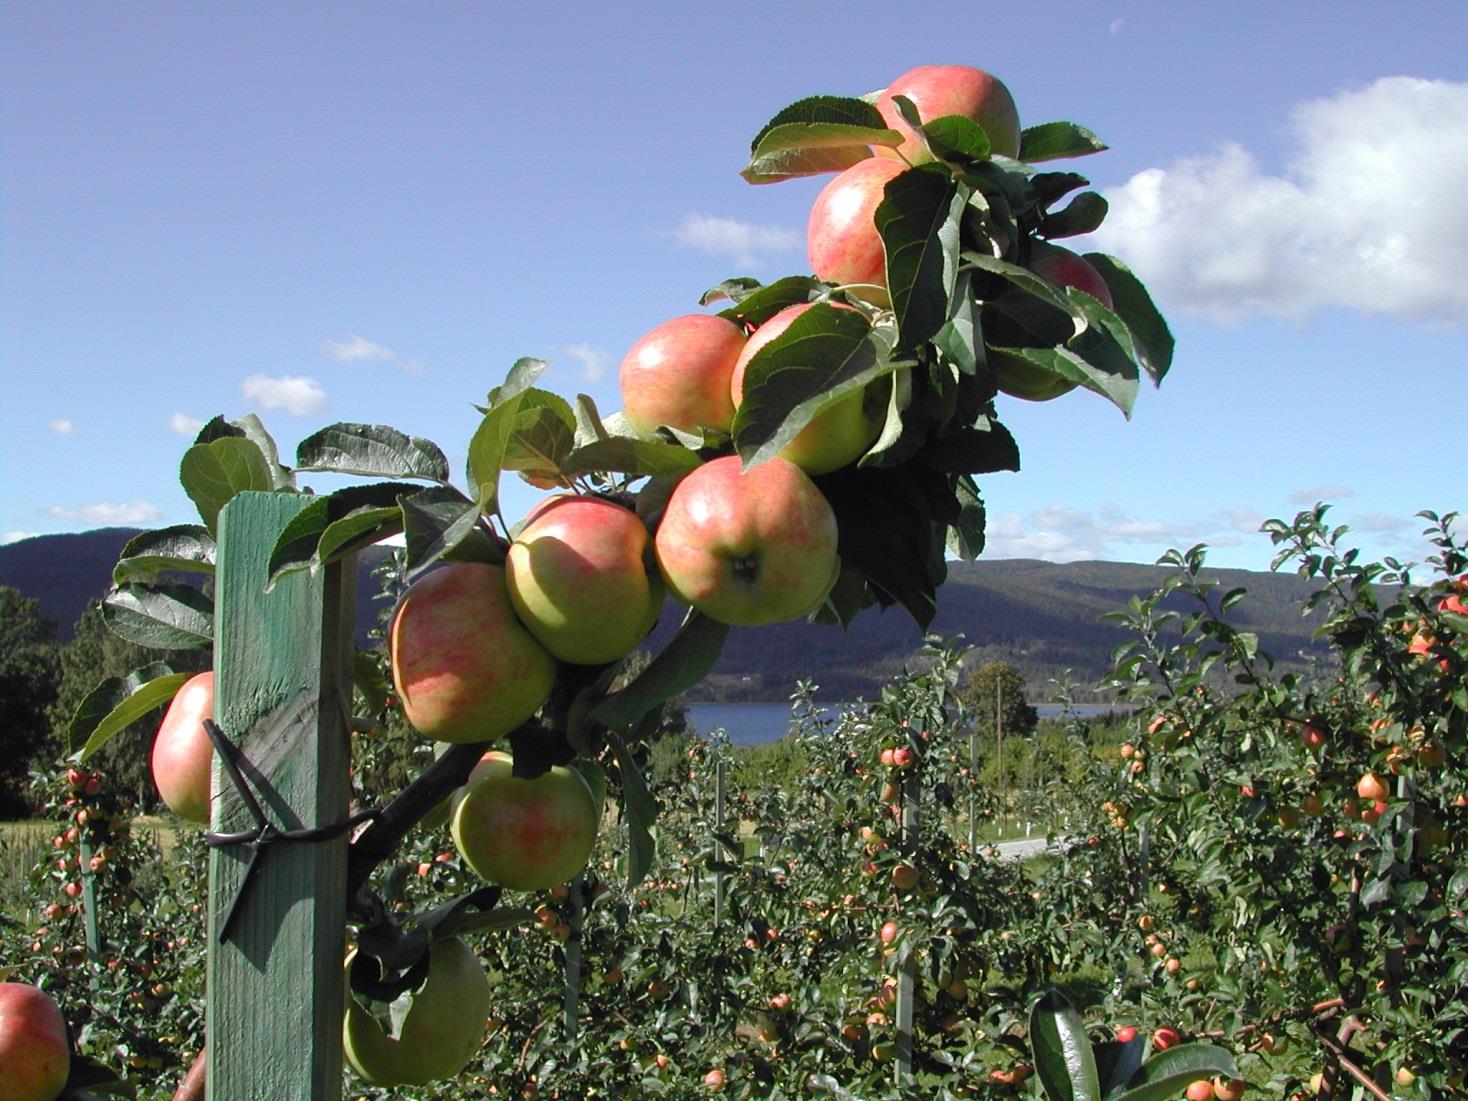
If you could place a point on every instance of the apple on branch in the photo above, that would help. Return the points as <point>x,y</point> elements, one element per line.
<point>748,547</point>
<point>183,756</point>
<point>1020,378</point>
<point>35,1048</point>
<point>841,235</point>
<point>463,665</point>
<point>579,579</point>
<point>678,374</point>
<point>940,90</point>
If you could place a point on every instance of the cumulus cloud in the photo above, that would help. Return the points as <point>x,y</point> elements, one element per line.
<point>1060,534</point>
<point>742,242</point>
<point>295,395</point>
<point>355,349</point>
<point>1370,214</point>
<point>110,513</point>
<point>593,360</point>
<point>8,537</point>
<point>61,427</point>
<point>181,424</point>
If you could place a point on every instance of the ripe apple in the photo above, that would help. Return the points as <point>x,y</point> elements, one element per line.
<point>1165,1038</point>
<point>1126,1034</point>
<point>904,877</point>
<point>463,665</point>
<point>1372,786</point>
<point>748,547</point>
<point>526,835</point>
<point>939,90</point>
<point>678,374</point>
<point>1201,1090</point>
<point>714,1080</point>
<point>838,435</point>
<point>1228,1089</point>
<point>841,236</point>
<point>183,755</point>
<point>1312,734</point>
<point>437,1030</point>
<point>578,579</point>
<point>35,1048</point>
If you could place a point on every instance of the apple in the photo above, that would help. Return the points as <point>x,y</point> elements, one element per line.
<point>841,235</point>
<point>748,547</point>
<point>1372,787</point>
<point>678,374</point>
<point>527,835</point>
<point>183,755</point>
<point>437,1029</point>
<point>35,1047</point>
<point>1228,1089</point>
<point>1165,1038</point>
<point>1201,1090</point>
<point>463,665</point>
<point>839,434</point>
<point>904,877</point>
<point>939,90</point>
<point>1018,377</point>
<point>714,1080</point>
<point>1126,1034</point>
<point>1312,734</point>
<point>578,579</point>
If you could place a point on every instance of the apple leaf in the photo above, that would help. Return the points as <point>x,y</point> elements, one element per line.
<point>372,451</point>
<point>814,135</point>
<point>163,616</point>
<point>441,523</point>
<point>687,658</point>
<point>966,533</point>
<point>828,110</point>
<point>335,525</point>
<point>487,449</point>
<point>1053,140</point>
<point>589,426</point>
<point>825,355</point>
<point>1132,303</point>
<point>918,220</point>
<point>1050,186</point>
<point>1117,1062</point>
<point>956,139</point>
<point>523,375</point>
<point>1021,278</point>
<point>758,306</point>
<point>1085,214</point>
<point>1068,364</point>
<point>369,681</point>
<point>542,435</point>
<point>985,448</point>
<point>1062,1050</point>
<point>649,458</point>
<point>640,809</point>
<point>212,473</point>
<point>187,547</point>
<point>960,337</point>
<point>1168,1072</point>
<point>117,703</point>
<point>254,430</point>
<point>850,596</point>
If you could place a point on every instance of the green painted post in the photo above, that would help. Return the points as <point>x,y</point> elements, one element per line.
<point>576,899</point>
<point>89,899</point>
<point>907,969</point>
<point>719,845</point>
<point>283,695</point>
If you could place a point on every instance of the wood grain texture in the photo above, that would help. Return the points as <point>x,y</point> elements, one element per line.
<point>283,694</point>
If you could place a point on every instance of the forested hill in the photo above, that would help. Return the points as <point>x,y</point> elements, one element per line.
<point>1043,617</point>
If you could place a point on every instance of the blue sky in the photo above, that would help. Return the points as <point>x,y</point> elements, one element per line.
<point>369,211</point>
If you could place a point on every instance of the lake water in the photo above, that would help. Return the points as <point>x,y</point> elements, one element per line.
<point>758,723</point>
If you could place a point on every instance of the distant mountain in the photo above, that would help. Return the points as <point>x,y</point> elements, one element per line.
<point>1043,617</point>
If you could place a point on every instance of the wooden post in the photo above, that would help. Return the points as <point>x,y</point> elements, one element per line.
<point>89,899</point>
<point>283,695</point>
<point>719,853</point>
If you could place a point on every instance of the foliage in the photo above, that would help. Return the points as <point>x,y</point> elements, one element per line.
<point>27,688</point>
<point>996,691</point>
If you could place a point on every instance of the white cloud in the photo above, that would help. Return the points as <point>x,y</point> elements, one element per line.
<point>297,396</point>
<point>1308,498</point>
<point>61,427</point>
<point>8,537</point>
<point>181,424</point>
<point>742,242</point>
<point>1370,214</point>
<point>110,513</point>
<point>355,348</point>
<point>593,360</point>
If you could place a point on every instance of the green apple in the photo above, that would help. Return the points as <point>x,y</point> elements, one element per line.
<point>579,580</point>
<point>939,90</point>
<point>526,835</point>
<point>183,756</point>
<point>839,434</point>
<point>435,1030</point>
<point>464,666</point>
<point>841,236</point>
<point>678,374</point>
<point>748,547</point>
<point>35,1048</point>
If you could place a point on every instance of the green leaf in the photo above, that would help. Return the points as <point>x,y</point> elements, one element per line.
<point>487,450</point>
<point>1052,140</point>
<point>757,307</point>
<point>441,523</point>
<point>850,596</point>
<point>523,375</point>
<point>214,472</point>
<point>187,547</point>
<point>688,658</point>
<point>819,134</point>
<point>543,434</point>
<point>824,355</point>
<point>589,426</point>
<point>735,290</point>
<point>641,812</point>
<point>368,679</point>
<point>117,703</point>
<point>372,451</point>
<point>624,455</point>
<point>162,616</point>
<point>1085,214</point>
<point>335,525</point>
<point>966,534</point>
<point>918,220</point>
<point>1062,1051</point>
<point>1168,1073</point>
<point>1134,306</point>
<point>254,430</point>
<point>960,338</point>
<point>984,448</point>
<point>957,139</point>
